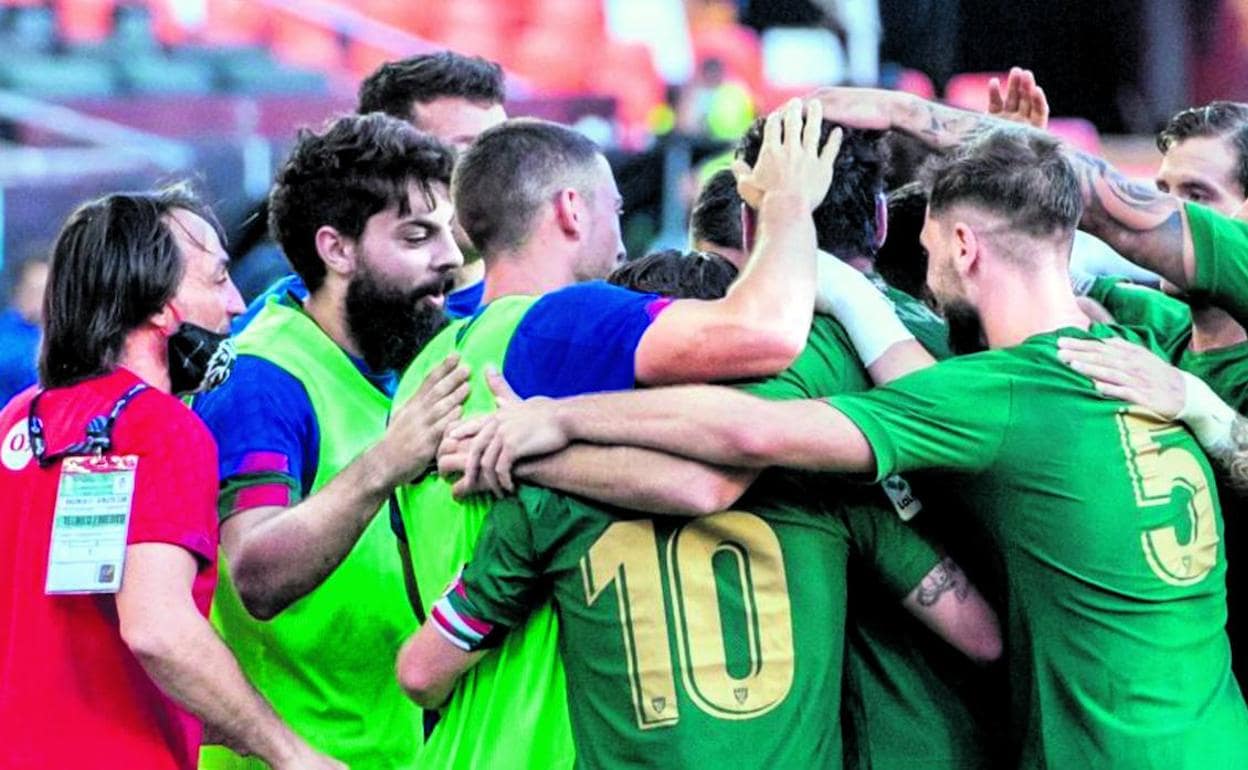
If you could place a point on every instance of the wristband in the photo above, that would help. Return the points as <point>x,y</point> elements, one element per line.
<point>867,315</point>
<point>1210,418</point>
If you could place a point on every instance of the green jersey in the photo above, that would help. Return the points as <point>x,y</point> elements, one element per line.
<point>907,693</point>
<point>1170,320</point>
<point>708,642</point>
<point>1221,249</point>
<point>1109,535</point>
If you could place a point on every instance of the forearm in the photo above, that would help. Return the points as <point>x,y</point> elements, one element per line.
<point>720,426</point>
<point>1232,456</point>
<point>654,482</point>
<point>285,556</point>
<point>776,289</point>
<point>191,664</point>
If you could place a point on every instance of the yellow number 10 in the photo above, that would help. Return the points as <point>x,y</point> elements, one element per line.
<point>627,555</point>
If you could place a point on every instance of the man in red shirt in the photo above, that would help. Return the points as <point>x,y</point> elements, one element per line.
<point>108,539</point>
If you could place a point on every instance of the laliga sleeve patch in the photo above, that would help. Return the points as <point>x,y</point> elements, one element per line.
<point>15,453</point>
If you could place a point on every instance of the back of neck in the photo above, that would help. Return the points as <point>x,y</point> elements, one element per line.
<point>524,273</point>
<point>1019,308</point>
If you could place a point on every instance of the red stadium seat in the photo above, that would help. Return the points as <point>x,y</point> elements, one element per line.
<point>84,21</point>
<point>235,22</point>
<point>626,71</point>
<point>737,47</point>
<point>584,15</point>
<point>363,59</point>
<point>305,44</point>
<point>915,82</point>
<point>552,62</point>
<point>970,90</point>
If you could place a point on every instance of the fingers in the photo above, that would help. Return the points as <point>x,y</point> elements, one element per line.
<point>469,428</point>
<point>502,470</point>
<point>746,188</point>
<point>812,128</point>
<point>450,403</point>
<point>1101,373</point>
<point>489,466</point>
<point>436,377</point>
<point>831,149</point>
<point>771,132</point>
<point>503,394</point>
<point>476,448</point>
<point>1013,92</point>
<point>792,123</point>
<point>452,463</point>
<point>996,102</point>
<point>1039,108</point>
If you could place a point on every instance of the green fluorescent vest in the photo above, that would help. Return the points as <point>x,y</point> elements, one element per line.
<point>326,663</point>
<point>509,712</point>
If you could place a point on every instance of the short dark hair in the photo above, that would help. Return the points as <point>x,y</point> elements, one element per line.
<point>716,215</point>
<point>678,274</point>
<point>355,167</point>
<point>902,261</point>
<point>1020,175</point>
<point>845,221</point>
<point>1228,119</point>
<point>396,85</point>
<point>115,263</point>
<point>509,172</point>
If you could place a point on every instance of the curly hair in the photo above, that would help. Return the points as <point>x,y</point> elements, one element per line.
<point>678,274</point>
<point>1227,119</point>
<point>1018,175</point>
<point>845,222</point>
<point>396,85</point>
<point>357,166</point>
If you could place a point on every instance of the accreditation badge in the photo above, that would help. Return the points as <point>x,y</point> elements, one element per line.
<point>90,524</point>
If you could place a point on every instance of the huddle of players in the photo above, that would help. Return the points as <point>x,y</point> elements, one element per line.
<point>698,612</point>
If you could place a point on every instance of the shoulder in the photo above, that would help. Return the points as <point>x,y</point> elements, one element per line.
<point>254,380</point>
<point>156,421</point>
<point>598,299</point>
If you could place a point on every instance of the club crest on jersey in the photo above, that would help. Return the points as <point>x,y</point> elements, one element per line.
<point>741,693</point>
<point>659,704</point>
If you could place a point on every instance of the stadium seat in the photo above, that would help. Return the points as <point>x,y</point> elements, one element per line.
<point>234,22</point>
<point>915,82</point>
<point>626,72</point>
<point>58,77</point>
<point>304,44</point>
<point>970,89</point>
<point>1079,132</point>
<point>550,61</point>
<point>84,21</point>
<point>572,17</point>
<point>737,47</point>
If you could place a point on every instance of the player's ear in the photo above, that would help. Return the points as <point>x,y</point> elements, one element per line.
<point>569,216</point>
<point>967,257</point>
<point>336,250</point>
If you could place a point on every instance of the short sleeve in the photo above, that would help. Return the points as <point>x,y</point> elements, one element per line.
<point>1220,244</point>
<point>950,416</point>
<point>581,339</point>
<point>898,555</point>
<point>266,434</point>
<point>827,366</point>
<point>504,580</point>
<point>1130,304</point>
<point>175,487</point>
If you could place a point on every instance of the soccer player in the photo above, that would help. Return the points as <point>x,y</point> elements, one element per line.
<point>313,600</point>
<point>108,542</point>
<point>446,94</point>
<point>715,641</point>
<point>540,201</point>
<point>1104,519</point>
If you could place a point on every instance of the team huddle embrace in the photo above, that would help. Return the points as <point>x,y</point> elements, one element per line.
<point>462,491</point>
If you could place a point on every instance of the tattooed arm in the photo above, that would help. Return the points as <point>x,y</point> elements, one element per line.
<point>1144,225</point>
<point>1124,370</point>
<point>946,602</point>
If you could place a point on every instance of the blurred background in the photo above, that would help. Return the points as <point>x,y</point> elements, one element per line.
<point>98,95</point>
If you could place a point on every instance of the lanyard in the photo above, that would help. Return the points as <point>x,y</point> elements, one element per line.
<point>99,430</point>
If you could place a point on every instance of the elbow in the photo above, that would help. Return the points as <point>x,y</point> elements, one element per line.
<point>986,647</point>
<point>151,639</point>
<point>706,493</point>
<point>256,595</point>
<point>419,683</point>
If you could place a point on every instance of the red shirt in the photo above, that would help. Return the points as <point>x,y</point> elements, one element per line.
<point>71,692</point>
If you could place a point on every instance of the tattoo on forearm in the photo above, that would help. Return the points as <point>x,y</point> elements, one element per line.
<point>944,126</point>
<point>1234,462</point>
<point>944,577</point>
<point>1140,222</point>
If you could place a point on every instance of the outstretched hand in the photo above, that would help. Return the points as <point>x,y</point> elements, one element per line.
<point>1124,370</point>
<point>1021,101</point>
<point>486,448</point>
<point>790,160</point>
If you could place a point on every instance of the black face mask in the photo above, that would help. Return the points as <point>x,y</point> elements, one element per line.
<point>199,359</point>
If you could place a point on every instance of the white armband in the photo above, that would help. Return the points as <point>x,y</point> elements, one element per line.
<point>867,315</point>
<point>1210,418</point>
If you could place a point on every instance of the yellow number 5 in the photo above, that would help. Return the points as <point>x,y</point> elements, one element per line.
<point>1156,473</point>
